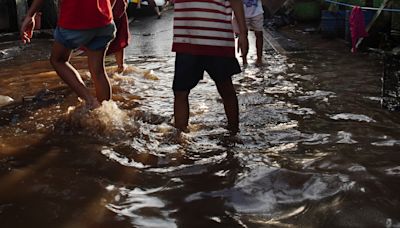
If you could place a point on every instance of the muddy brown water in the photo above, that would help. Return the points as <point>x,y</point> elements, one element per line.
<point>315,147</point>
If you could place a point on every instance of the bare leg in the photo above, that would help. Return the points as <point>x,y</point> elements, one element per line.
<point>228,94</point>
<point>259,47</point>
<point>157,11</point>
<point>153,4</point>
<point>244,58</point>
<point>59,59</point>
<point>99,75</point>
<point>181,109</point>
<point>119,58</point>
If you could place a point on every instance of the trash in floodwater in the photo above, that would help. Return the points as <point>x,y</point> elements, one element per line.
<point>28,98</point>
<point>5,100</point>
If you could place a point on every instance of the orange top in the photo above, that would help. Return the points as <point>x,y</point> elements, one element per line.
<point>84,14</point>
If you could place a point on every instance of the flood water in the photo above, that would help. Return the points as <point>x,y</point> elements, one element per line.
<point>315,147</point>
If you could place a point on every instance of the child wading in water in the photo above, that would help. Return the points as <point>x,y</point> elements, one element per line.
<point>121,40</point>
<point>91,27</point>
<point>254,15</point>
<point>204,41</point>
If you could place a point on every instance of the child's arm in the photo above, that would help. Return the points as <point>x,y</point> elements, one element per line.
<point>28,24</point>
<point>237,7</point>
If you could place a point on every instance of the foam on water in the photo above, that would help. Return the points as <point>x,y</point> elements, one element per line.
<point>107,118</point>
<point>391,142</point>
<point>131,70</point>
<point>395,171</point>
<point>350,116</point>
<point>318,94</point>
<point>345,138</point>
<point>125,161</point>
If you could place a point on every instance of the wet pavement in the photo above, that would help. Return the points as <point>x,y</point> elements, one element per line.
<point>315,147</point>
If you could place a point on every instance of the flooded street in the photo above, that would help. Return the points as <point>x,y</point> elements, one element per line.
<point>315,147</point>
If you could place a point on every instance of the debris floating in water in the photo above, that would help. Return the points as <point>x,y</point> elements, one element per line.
<point>5,100</point>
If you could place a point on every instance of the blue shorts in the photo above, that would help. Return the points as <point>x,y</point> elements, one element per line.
<point>189,69</point>
<point>92,39</point>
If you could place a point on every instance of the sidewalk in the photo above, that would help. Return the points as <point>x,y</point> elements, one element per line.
<point>299,38</point>
<point>277,41</point>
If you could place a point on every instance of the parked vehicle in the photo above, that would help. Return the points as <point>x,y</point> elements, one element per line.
<point>142,7</point>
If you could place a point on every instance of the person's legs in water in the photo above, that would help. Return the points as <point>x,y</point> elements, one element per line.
<point>98,74</point>
<point>189,71</point>
<point>256,24</point>
<point>221,70</point>
<point>244,56</point>
<point>181,110</point>
<point>244,59</point>
<point>229,98</point>
<point>259,47</point>
<point>59,59</point>
<point>119,58</point>
<point>96,42</point>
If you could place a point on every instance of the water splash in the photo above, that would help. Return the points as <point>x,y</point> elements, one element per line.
<point>125,161</point>
<point>107,118</point>
<point>345,138</point>
<point>392,142</point>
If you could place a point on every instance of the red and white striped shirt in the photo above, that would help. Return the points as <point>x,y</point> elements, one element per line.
<point>203,27</point>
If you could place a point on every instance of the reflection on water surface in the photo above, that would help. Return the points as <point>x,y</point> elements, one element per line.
<point>315,148</point>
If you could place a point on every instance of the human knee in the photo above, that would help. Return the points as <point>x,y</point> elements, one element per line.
<point>226,89</point>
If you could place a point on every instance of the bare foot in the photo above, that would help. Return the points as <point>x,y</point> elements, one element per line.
<point>121,69</point>
<point>244,62</point>
<point>233,130</point>
<point>259,62</point>
<point>184,129</point>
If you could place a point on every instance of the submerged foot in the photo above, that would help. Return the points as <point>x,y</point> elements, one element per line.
<point>233,130</point>
<point>244,64</point>
<point>182,128</point>
<point>92,104</point>
<point>259,62</point>
<point>121,69</point>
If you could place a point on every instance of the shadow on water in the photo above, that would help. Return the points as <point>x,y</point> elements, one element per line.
<point>315,149</point>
